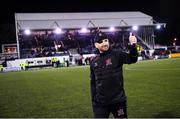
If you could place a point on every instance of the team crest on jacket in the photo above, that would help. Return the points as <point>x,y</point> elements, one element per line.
<point>108,62</point>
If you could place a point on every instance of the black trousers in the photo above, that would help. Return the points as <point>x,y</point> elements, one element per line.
<point>119,110</point>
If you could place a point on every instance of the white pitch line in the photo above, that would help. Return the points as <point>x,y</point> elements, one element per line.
<point>151,69</point>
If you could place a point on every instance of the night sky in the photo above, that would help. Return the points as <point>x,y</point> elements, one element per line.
<point>166,11</point>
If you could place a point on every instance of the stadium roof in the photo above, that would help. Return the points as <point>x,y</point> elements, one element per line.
<point>79,20</point>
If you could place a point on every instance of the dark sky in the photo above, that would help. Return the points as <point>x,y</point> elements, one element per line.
<point>166,11</point>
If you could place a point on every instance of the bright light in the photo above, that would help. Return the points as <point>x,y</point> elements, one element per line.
<point>27,32</point>
<point>58,31</point>
<point>135,28</point>
<point>158,26</point>
<point>83,30</point>
<point>111,29</point>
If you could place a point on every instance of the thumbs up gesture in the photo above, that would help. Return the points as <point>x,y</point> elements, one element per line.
<point>132,39</point>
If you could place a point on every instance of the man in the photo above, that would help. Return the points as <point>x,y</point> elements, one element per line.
<point>107,90</point>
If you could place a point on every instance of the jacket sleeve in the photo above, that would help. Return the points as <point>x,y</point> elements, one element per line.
<point>131,56</point>
<point>92,84</point>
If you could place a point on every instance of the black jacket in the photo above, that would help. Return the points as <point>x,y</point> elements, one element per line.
<point>107,76</point>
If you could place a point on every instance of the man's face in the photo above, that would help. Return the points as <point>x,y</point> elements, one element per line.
<point>102,45</point>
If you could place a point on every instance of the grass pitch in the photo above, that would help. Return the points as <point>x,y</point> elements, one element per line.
<point>152,88</point>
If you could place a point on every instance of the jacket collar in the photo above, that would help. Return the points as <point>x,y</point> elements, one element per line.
<point>105,53</point>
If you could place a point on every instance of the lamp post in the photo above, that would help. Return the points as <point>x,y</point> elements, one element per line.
<point>153,40</point>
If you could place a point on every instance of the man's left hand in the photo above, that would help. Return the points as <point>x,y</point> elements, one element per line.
<point>132,39</point>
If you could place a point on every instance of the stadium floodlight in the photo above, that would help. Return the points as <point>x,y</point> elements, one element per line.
<point>57,31</point>
<point>84,30</point>
<point>158,26</point>
<point>135,28</point>
<point>111,29</point>
<point>27,32</point>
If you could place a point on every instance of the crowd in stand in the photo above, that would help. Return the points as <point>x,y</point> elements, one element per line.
<point>51,44</point>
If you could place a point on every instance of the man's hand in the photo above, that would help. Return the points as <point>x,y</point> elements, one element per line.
<point>132,39</point>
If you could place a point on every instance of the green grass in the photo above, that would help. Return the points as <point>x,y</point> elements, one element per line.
<point>152,88</point>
